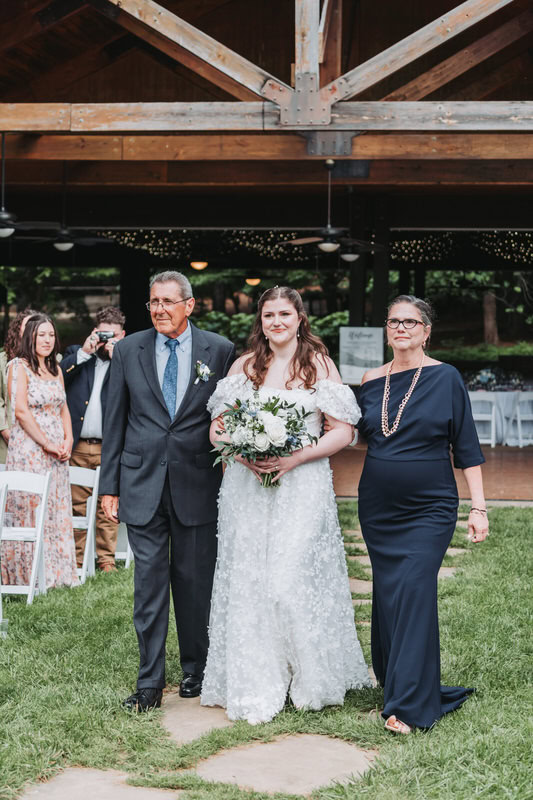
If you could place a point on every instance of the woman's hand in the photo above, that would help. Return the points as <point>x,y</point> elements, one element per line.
<point>257,471</point>
<point>54,450</point>
<point>66,448</point>
<point>281,465</point>
<point>478,526</point>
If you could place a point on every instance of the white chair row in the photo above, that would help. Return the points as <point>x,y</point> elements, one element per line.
<point>485,411</point>
<point>522,412</point>
<point>40,485</point>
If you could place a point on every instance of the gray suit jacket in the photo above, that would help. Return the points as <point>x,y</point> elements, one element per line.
<point>141,443</point>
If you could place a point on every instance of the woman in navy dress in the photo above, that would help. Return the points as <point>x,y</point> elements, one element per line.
<point>413,410</point>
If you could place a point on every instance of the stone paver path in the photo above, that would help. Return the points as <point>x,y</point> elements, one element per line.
<point>292,764</point>
<point>364,560</point>
<point>185,719</point>
<point>456,551</point>
<point>360,587</point>
<point>447,572</point>
<point>94,784</point>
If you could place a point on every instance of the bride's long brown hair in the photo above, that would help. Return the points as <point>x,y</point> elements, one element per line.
<point>309,346</point>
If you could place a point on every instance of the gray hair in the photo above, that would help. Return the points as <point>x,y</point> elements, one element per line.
<point>426,311</point>
<point>176,277</point>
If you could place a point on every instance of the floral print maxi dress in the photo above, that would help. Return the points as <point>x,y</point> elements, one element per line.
<point>46,398</point>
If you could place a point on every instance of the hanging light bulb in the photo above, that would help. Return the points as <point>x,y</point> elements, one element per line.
<point>5,232</point>
<point>199,265</point>
<point>328,246</point>
<point>63,246</point>
<point>253,281</point>
<point>350,257</point>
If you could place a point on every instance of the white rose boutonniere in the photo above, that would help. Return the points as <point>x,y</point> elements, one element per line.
<point>203,373</point>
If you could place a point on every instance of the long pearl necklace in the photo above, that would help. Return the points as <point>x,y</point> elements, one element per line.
<point>385,404</point>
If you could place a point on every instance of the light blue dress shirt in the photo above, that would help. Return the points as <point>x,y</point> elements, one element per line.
<point>183,352</point>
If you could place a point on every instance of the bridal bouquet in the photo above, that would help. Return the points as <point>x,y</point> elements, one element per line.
<point>262,428</point>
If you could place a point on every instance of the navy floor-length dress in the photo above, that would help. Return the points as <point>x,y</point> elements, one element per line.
<point>408,508</point>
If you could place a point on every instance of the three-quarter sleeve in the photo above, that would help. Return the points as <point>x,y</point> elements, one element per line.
<point>463,435</point>
<point>338,401</point>
<point>227,391</point>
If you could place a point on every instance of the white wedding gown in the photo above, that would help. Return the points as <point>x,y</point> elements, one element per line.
<point>282,619</point>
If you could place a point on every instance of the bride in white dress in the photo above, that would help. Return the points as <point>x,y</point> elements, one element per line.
<point>282,619</point>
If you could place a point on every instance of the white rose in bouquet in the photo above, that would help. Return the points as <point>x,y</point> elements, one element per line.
<point>261,442</point>
<point>239,436</point>
<point>275,429</point>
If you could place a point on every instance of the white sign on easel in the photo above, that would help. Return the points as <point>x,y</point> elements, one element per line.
<point>359,349</point>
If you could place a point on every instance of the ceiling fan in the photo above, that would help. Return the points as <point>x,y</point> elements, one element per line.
<point>59,234</point>
<point>330,239</point>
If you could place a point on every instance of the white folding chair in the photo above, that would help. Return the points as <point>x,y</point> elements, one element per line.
<point>127,554</point>
<point>484,410</point>
<point>3,495</point>
<point>32,484</point>
<point>80,476</point>
<point>522,412</point>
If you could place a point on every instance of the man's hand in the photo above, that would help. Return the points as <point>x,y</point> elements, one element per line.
<point>108,347</point>
<point>5,435</point>
<point>110,506</point>
<point>91,343</point>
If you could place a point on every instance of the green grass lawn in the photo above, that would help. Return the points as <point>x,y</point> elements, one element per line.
<point>71,658</point>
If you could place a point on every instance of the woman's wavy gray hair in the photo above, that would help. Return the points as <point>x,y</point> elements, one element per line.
<point>426,311</point>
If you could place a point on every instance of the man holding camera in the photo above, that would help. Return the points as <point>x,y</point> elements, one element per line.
<point>86,373</point>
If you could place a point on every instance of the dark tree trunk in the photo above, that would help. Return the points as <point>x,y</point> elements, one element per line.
<point>490,320</point>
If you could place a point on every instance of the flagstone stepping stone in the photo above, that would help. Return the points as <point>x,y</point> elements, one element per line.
<point>364,560</point>
<point>462,526</point>
<point>360,587</point>
<point>185,719</point>
<point>456,551</point>
<point>447,572</point>
<point>93,784</point>
<point>360,602</point>
<point>365,622</point>
<point>351,531</point>
<point>292,764</point>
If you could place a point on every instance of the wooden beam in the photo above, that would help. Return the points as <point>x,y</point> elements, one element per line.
<point>330,42</point>
<point>190,46</point>
<point>464,60</point>
<point>412,47</point>
<point>267,147</point>
<point>260,174</point>
<point>307,18</point>
<point>493,80</point>
<point>39,17</point>
<point>438,117</point>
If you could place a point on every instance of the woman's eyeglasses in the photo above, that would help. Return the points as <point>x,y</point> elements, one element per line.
<point>407,323</point>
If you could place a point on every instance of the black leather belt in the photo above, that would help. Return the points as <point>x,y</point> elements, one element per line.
<point>91,441</point>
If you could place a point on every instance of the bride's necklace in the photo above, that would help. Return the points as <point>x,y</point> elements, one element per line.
<point>385,404</point>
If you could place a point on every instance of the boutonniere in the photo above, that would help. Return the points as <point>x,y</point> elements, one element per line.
<point>203,373</point>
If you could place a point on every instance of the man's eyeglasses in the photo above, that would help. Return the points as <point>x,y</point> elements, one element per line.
<point>407,323</point>
<point>168,305</point>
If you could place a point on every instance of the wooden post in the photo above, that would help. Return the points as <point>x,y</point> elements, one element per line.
<point>404,282</point>
<point>357,294</point>
<point>134,292</point>
<point>420,281</point>
<point>380,291</point>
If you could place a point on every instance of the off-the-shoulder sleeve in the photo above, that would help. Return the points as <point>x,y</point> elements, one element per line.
<point>227,390</point>
<point>338,401</point>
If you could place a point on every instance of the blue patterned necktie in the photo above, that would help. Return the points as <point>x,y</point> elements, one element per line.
<point>170,378</point>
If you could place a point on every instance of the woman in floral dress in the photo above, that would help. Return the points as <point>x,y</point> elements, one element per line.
<point>40,440</point>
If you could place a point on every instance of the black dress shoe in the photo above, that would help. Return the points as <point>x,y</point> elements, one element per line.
<point>191,685</point>
<point>143,700</point>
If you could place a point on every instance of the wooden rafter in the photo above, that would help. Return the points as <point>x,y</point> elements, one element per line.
<point>266,147</point>
<point>493,80</point>
<point>513,117</point>
<point>412,47</point>
<point>330,41</point>
<point>39,17</point>
<point>467,58</point>
<point>281,173</point>
<point>307,18</point>
<point>190,46</point>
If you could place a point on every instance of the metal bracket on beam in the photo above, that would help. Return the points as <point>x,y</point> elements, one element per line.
<point>329,143</point>
<point>305,106</point>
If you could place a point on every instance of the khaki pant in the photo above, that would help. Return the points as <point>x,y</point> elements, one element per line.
<point>89,456</point>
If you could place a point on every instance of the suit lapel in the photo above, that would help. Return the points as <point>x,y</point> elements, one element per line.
<point>199,352</point>
<point>147,360</point>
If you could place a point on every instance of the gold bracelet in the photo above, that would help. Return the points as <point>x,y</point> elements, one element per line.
<point>480,510</point>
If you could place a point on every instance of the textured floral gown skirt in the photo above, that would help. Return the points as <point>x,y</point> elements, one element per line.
<point>408,510</point>
<point>282,620</point>
<point>45,399</point>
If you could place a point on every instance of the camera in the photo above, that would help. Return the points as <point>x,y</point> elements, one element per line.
<point>105,336</point>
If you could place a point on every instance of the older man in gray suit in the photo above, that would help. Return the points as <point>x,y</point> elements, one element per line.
<point>157,476</point>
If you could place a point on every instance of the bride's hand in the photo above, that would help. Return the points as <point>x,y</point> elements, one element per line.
<point>286,463</point>
<point>251,466</point>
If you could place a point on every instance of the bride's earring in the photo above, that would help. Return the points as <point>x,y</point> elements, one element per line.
<point>298,333</point>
